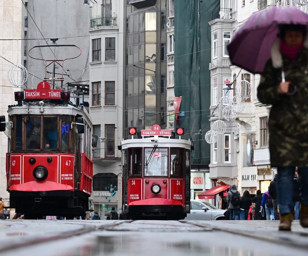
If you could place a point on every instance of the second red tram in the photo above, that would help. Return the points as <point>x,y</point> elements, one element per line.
<point>156,175</point>
<point>48,165</point>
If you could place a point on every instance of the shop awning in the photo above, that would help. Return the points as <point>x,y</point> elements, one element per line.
<point>213,191</point>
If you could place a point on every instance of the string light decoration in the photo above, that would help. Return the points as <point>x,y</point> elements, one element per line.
<point>210,137</point>
<point>219,127</point>
<point>18,75</point>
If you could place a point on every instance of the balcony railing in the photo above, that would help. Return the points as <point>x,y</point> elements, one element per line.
<point>103,21</point>
<point>225,13</point>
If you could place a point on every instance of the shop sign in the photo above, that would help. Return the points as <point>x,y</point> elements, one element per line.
<point>197,181</point>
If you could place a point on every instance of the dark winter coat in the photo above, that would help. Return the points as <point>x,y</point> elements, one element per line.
<point>233,190</point>
<point>272,189</point>
<point>245,202</point>
<point>288,119</point>
<point>257,200</point>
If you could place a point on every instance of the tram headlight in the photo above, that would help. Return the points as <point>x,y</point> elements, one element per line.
<point>40,173</point>
<point>156,188</point>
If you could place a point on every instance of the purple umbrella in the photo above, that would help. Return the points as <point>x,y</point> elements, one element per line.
<point>250,46</point>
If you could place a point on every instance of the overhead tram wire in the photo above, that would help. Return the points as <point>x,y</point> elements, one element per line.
<point>43,37</point>
<point>19,67</point>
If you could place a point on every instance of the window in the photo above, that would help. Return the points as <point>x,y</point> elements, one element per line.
<point>156,160</point>
<point>105,182</point>
<point>227,148</point>
<point>177,162</point>
<point>163,84</point>
<point>96,94</point>
<point>215,45</point>
<point>171,43</point>
<point>163,52</point>
<point>262,4</point>
<point>163,22</point>
<point>263,132</point>
<point>96,49</point>
<point>109,140</point>
<point>97,134</point>
<point>227,93</point>
<point>214,92</point>
<point>215,153</point>
<point>226,41</point>
<point>110,93</point>
<point>107,9</point>
<point>245,88</point>
<point>134,161</point>
<point>109,48</point>
<point>234,85</point>
<point>248,149</point>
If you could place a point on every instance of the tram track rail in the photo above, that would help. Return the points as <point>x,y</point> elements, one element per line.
<point>292,239</point>
<point>36,239</point>
<point>17,235</point>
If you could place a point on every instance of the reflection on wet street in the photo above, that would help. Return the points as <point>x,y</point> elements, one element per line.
<point>150,238</point>
<point>177,244</point>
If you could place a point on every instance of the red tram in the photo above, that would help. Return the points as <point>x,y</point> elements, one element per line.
<point>156,175</point>
<point>48,164</point>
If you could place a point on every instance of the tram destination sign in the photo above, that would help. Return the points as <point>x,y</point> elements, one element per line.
<point>156,130</point>
<point>43,91</point>
<point>35,94</point>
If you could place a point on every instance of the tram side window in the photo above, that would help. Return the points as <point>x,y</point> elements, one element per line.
<point>50,132</point>
<point>18,131</point>
<point>135,163</point>
<point>156,161</point>
<point>177,162</point>
<point>65,129</point>
<point>33,133</point>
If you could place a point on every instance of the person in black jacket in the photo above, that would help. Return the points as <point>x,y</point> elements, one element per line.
<point>273,192</point>
<point>257,200</point>
<point>245,204</point>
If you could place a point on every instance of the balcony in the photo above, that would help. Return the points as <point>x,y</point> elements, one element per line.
<point>142,3</point>
<point>225,13</point>
<point>103,21</point>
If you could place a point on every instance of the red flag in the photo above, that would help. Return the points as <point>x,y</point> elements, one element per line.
<point>177,105</point>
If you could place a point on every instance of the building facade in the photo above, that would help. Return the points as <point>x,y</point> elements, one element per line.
<point>106,101</point>
<point>11,76</point>
<point>145,64</point>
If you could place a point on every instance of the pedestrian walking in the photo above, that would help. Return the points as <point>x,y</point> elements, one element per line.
<point>257,201</point>
<point>114,215</point>
<point>273,192</point>
<point>2,205</point>
<point>245,205</point>
<point>96,216</point>
<point>267,203</point>
<point>234,203</point>
<point>284,86</point>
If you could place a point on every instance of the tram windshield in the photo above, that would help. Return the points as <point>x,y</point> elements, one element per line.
<point>50,133</point>
<point>156,161</point>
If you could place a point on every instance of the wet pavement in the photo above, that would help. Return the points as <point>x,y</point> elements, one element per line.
<point>83,238</point>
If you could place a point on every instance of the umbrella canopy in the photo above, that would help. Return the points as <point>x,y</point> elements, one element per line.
<point>250,47</point>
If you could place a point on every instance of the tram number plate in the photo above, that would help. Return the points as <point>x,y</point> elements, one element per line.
<point>177,197</point>
<point>134,196</point>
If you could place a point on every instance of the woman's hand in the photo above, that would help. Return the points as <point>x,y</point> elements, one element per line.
<point>283,88</point>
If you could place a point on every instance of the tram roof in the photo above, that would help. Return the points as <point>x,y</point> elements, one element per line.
<point>159,141</point>
<point>49,109</point>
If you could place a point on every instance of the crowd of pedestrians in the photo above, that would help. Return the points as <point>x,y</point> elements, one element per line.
<point>260,206</point>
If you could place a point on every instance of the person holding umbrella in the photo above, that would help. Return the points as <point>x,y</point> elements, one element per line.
<point>284,85</point>
<point>273,42</point>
